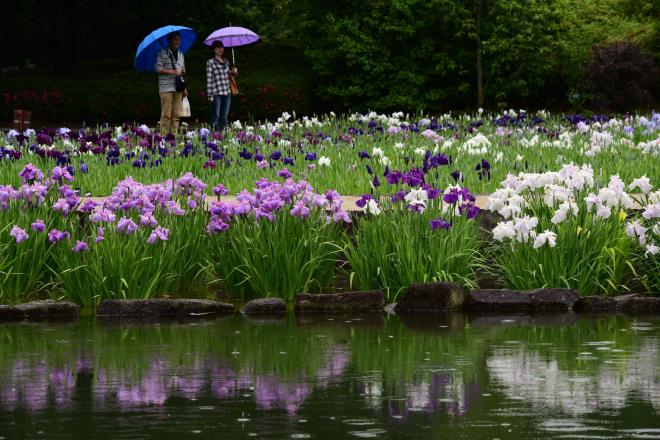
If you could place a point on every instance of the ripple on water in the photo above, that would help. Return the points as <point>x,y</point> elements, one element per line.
<point>369,433</point>
<point>359,422</point>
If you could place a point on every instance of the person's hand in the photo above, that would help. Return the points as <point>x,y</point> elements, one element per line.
<point>185,92</point>
<point>234,71</point>
<point>177,72</point>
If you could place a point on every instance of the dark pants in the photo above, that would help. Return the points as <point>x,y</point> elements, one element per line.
<point>220,112</point>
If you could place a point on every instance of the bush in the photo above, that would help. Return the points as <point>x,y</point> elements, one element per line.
<point>620,77</point>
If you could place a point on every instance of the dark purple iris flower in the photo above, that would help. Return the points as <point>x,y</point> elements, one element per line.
<point>275,155</point>
<point>413,178</point>
<point>394,177</point>
<point>456,175</point>
<point>440,223</point>
<point>310,156</point>
<point>245,154</point>
<point>451,197</point>
<point>363,155</point>
<point>258,157</point>
<point>288,160</point>
<point>376,182</point>
<point>363,200</point>
<point>471,209</point>
<point>431,192</point>
<point>398,197</point>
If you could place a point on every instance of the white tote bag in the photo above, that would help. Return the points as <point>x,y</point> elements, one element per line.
<point>185,107</point>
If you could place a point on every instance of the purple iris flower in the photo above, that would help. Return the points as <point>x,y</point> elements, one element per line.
<point>285,173</point>
<point>38,226</point>
<point>394,177</point>
<point>30,173</point>
<point>456,175</point>
<point>220,190</point>
<point>288,161</point>
<point>126,226</point>
<point>363,155</point>
<point>300,210</point>
<point>398,197</point>
<point>157,234</point>
<point>19,234</point>
<point>451,197</point>
<point>363,200</point>
<point>79,247</point>
<point>275,155</point>
<point>369,170</point>
<point>55,236</point>
<point>258,157</point>
<point>440,223</point>
<point>376,182</point>
<point>310,156</point>
<point>245,154</point>
<point>413,178</point>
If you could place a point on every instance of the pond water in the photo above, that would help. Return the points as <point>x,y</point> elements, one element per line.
<point>454,376</point>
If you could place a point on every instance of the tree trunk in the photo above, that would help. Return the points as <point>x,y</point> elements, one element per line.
<point>480,72</point>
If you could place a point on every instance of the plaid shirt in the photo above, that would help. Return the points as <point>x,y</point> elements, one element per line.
<point>167,83</point>
<point>217,78</point>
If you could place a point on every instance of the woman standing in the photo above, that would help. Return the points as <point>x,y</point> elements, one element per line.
<point>217,85</point>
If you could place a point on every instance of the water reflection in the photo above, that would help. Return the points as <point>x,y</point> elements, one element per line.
<point>604,377</point>
<point>389,374</point>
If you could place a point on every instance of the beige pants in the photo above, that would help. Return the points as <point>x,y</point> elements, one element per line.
<point>170,109</point>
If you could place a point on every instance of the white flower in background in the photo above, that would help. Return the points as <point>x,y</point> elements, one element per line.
<point>478,141</point>
<point>498,157</point>
<point>237,125</point>
<point>324,161</point>
<point>377,152</point>
<point>545,237</point>
<point>448,143</point>
<point>480,111</point>
<point>399,145</point>
<point>385,161</point>
<point>504,230</point>
<point>372,207</point>
<point>519,158</point>
<point>420,151</point>
<point>651,211</point>
<point>582,127</point>
<point>524,227</point>
<point>651,147</point>
<point>651,249</point>
<point>635,229</point>
<point>603,211</point>
<point>643,183</point>
<point>556,193</point>
<point>417,197</point>
<point>29,132</point>
<point>567,207</point>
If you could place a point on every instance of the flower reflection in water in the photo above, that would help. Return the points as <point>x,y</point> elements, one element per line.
<point>526,374</point>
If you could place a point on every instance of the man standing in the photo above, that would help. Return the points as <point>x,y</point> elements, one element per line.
<point>170,64</point>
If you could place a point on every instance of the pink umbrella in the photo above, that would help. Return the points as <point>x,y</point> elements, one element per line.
<point>232,36</point>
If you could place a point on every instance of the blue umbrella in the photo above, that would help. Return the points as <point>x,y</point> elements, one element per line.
<point>147,52</point>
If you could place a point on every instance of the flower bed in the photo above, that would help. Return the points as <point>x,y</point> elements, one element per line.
<point>579,227</point>
<point>477,151</point>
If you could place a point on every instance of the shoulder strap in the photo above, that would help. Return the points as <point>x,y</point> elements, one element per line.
<point>169,52</point>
